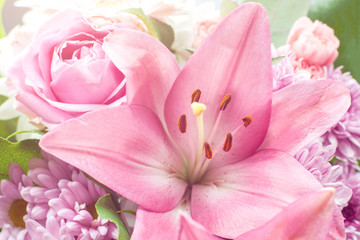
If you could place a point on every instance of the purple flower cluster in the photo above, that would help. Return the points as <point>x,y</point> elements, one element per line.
<point>342,141</point>
<point>316,159</point>
<point>351,212</point>
<point>54,201</point>
<point>346,134</point>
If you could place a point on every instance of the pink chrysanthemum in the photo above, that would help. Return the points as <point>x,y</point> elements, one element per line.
<point>63,203</point>
<point>283,71</point>
<point>315,158</point>
<point>46,174</point>
<point>351,212</point>
<point>12,205</point>
<point>53,229</point>
<point>76,205</point>
<point>346,134</point>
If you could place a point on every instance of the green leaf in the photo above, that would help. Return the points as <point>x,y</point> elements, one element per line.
<point>7,127</point>
<point>106,210</point>
<point>2,97</point>
<point>164,31</point>
<point>2,29</point>
<point>282,15</point>
<point>147,21</point>
<point>344,17</point>
<point>227,6</point>
<point>275,60</point>
<point>20,152</point>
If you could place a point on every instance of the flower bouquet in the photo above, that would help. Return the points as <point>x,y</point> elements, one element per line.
<point>178,120</point>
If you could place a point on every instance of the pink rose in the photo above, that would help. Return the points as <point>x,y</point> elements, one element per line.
<point>314,42</point>
<point>203,29</point>
<point>315,71</point>
<point>65,71</point>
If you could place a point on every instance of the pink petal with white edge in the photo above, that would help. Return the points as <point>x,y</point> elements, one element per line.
<point>303,112</point>
<point>237,198</point>
<point>149,67</point>
<point>234,59</point>
<point>309,217</point>
<point>124,148</point>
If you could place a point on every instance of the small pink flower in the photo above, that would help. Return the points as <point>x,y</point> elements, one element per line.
<point>315,71</point>
<point>203,29</point>
<point>314,42</point>
<point>284,72</point>
<point>12,205</point>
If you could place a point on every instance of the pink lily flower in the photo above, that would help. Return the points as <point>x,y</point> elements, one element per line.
<point>222,147</point>
<point>309,217</point>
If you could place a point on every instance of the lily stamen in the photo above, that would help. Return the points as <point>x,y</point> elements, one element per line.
<point>208,150</point>
<point>228,142</point>
<point>198,110</point>
<point>223,105</point>
<point>226,100</point>
<point>195,96</point>
<point>247,120</point>
<point>182,123</point>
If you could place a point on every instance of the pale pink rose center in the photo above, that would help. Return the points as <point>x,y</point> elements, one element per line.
<point>83,74</point>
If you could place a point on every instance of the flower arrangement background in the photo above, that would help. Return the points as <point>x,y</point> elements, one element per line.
<point>178,120</point>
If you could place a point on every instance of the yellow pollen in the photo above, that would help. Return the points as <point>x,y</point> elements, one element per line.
<point>198,108</point>
<point>247,120</point>
<point>195,96</point>
<point>208,150</point>
<point>226,100</point>
<point>228,142</point>
<point>17,212</point>
<point>182,123</point>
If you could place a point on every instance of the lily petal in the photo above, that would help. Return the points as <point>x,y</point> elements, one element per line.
<point>191,230</point>
<point>228,62</point>
<point>137,159</point>
<point>175,224</point>
<point>247,194</point>
<point>308,217</point>
<point>304,111</point>
<point>157,226</point>
<point>149,67</point>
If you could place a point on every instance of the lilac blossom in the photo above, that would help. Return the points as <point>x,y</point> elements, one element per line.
<point>63,203</point>
<point>351,212</point>
<point>346,134</point>
<point>316,159</point>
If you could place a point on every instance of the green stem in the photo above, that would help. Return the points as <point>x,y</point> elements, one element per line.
<point>21,132</point>
<point>2,29</point>
<point>127,211</point>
